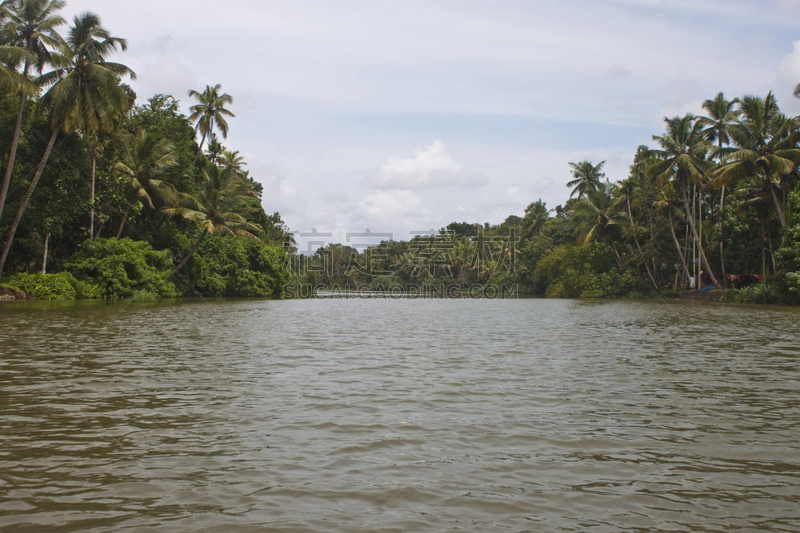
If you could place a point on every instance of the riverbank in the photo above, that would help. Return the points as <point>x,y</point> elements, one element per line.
<point>708,296</point>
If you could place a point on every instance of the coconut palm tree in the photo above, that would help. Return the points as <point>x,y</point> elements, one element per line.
<point>627,188</point>
<point>30,27</point>
<point>764,145</point>
<point>210,113</point>
<point>85,92</point>
<point>215,149</point>
<point>597,216</point>
<point>232,160</point>
<point>721,115</point>
<point>462,257</point>
<point>668,201</point>
<point>536,214</point>
<point>144,166</point>
<point>219,203</point>
<point>10,79</point>
<point>682,159</point>
<point>587,177</point>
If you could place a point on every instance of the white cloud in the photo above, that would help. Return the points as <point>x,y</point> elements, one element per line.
<point>429,168</point>
<point>789,68</point>
<point>391,205</point>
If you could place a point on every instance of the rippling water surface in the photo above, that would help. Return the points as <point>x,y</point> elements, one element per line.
<point>399,415</point>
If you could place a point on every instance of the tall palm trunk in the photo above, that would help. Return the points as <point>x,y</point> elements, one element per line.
<point>678,246</point>
<point>27,197</point>
<point>200,149</point>
<point>697,236</point>
<point>124,220</point>
<point>91,223</point>
<point>44,256</point>
<point>721,240</point>
<point>636,240</point>
<point>781,214</point>
<point>191,253</point>
<point>14,143</point>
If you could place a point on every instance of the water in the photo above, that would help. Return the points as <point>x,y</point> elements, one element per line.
<point>399,415</point>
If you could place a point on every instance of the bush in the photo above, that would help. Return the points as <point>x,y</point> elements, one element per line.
<point>764,293</point>
<point>587,271</point>
<point>45,286</point>
<point>120,268</point>
<point>236,266</point>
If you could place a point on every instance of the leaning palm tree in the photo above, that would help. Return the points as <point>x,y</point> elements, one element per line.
<point>721,115</point>
<point>210,113</point>
<point>144,166</point>
<point>764,145</point>
<point>587,177</point>
<point>85,92</point>
<point>668,201</point>
<point>627,189</point>
<point>31,27</point>
<point>682,159</point>
<point>219,203</point>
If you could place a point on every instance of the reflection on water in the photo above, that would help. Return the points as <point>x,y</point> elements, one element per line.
<point>396,415</point>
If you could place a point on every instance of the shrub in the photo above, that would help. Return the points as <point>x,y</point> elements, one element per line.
<point>45,286</point>
<point>119,268</point>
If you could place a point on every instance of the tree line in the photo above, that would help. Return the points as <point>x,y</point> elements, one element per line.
<point>110,192</point>
<point>713,203</point>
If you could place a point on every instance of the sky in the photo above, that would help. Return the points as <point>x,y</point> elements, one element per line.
<point>399,117</point>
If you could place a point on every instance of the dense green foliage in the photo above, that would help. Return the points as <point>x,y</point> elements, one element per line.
<point>94,184</point>
<point>119,268</point>
<point>60,286</point>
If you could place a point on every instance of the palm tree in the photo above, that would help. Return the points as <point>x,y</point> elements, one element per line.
<point>86,92</point>
<point>210,113</point>
<point>462,257</point>
<point>31,28</point>
<point>765,145</point>
<point>587,177</point>
<point>232,160</point>
<point>536,214</point>
<point>96,150</point>
<point>596,216</point>
<point>668,200</point>
<point>721,115</point>
<point>683,159</point>
<point>215,149</point>
<point>627,188</point>
<point>218,204</point>
<point>144,166</point>
<point>10,79</point>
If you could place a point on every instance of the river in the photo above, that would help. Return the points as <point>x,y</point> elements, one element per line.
<point>360,415</point>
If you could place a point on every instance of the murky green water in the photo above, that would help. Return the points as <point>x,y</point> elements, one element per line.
<point>398,415</point>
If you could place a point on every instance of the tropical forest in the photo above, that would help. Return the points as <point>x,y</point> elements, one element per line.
<point>105,196</point>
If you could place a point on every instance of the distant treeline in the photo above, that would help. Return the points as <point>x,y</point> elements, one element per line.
<point>714,203</point>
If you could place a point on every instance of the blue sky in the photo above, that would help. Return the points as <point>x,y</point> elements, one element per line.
<point>402,116</point>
